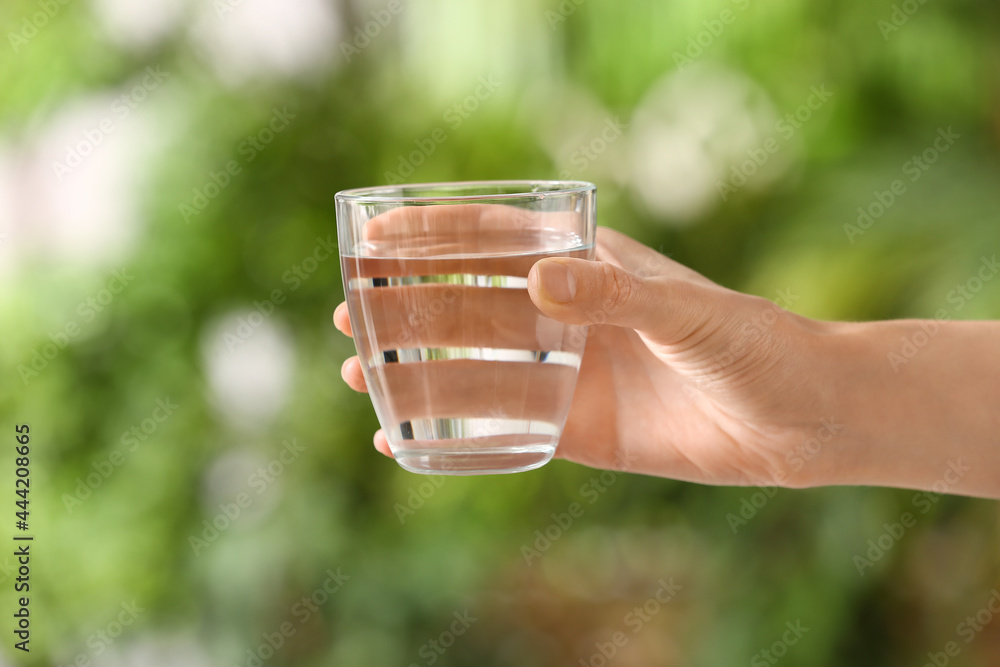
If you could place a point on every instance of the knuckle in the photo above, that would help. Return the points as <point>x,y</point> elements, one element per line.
<point>618,287</point>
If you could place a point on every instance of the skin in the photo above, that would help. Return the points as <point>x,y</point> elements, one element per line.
<point>685,379</point>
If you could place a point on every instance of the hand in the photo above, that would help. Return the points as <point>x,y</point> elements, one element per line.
<point>686,379</point>
<point>680,378</point>
<point>697,382</point>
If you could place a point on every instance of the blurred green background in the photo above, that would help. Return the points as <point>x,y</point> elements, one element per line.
<point>167,171</point>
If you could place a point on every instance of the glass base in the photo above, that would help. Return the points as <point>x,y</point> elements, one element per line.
<point>481,461</point>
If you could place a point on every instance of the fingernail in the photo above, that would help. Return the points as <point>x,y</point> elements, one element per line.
<point>556,282</point>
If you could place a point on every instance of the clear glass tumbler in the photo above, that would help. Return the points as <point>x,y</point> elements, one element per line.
<point>466,375</point>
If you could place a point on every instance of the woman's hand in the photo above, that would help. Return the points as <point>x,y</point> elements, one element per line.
<point>680,377</point>
<point>686,379</point>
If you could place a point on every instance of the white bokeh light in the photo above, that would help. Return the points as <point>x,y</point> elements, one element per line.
<point>249,364</point>
<point>235,471</point>
<point>584,139</point>
<point>243,39</point>
<point>672,172</point>
<point>89,212</point>
<point>155,651</point>
<point>8,239</point>
<point>688,133</point>
<point>139,23</point>
<point>71,189</point>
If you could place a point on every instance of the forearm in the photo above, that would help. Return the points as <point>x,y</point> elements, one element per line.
<point>920,403</point>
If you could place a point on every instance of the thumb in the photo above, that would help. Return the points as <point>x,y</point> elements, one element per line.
<point>577,291</point>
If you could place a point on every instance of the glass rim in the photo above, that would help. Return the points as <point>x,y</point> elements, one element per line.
<point>375,194</point>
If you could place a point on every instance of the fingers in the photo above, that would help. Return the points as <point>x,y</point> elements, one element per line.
<point>453,264</point>
<point>629,254</point>
<point>631,286</point>
<point>381,443</point>
<point>351,372</point>
<point>342,320</point>
<point>445,315</point>
<point>455,388</point>
<point>471,225</point>
<point>665,310</point>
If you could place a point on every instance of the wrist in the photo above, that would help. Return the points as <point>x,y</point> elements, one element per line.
<point>910,404</point>
<point>832,442</point>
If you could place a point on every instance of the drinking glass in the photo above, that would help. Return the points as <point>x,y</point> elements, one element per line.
<point>465,374</point>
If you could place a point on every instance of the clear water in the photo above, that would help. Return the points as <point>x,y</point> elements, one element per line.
<point>465,374</point>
